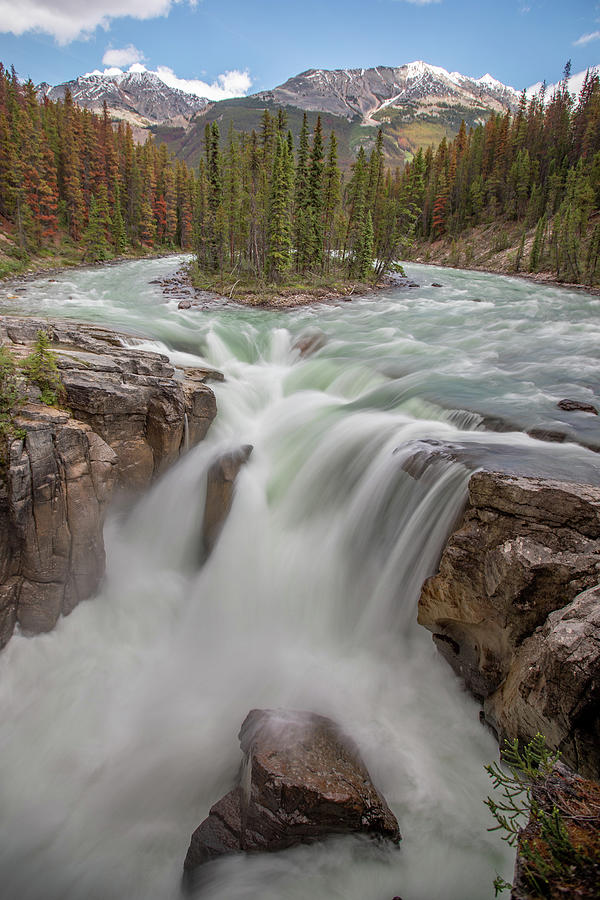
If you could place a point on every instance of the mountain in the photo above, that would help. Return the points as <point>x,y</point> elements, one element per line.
<point>141,98</point>
<point>427,90</point>
<point>415,105</point>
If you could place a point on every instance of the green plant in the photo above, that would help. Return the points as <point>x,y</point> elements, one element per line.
<point>40,369</point>
<point>528,815</point>
<point>10,400</point>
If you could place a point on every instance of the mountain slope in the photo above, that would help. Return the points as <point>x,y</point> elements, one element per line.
<point>415,105</point>
<point>139,97</point>
<point>363,92</point>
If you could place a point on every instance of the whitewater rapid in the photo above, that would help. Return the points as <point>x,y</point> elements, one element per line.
<point>119,729</point>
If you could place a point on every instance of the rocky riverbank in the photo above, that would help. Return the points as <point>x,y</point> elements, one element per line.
<point>128,414</point>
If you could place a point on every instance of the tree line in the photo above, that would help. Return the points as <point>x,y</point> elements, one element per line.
<point>539,168</point>
<point>65,170</point>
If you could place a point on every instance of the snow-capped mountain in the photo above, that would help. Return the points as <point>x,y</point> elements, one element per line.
<point>422,88</point>
<point>140,97</point>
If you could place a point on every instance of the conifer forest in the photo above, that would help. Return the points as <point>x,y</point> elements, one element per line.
<point>259,206</point>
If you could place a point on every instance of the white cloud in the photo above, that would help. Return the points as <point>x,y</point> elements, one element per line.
<point>587,38</point>
<point>421,2</point>
<point>70,19</point>
<point>230,84</point>
<point>123,57</point>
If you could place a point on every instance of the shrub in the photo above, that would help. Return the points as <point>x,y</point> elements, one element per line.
<point>40,369</point>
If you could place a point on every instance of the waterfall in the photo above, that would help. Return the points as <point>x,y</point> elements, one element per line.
<point>119,729</point>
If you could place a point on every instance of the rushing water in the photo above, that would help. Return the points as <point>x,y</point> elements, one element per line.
<point>118,730</point>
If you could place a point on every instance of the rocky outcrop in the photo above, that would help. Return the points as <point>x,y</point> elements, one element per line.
<point>553,685</point>
<point>135,400</point>
<point>220,484</point>
<point>301,780</point>
<point>59,479</point>
<point>129,416</point>
<point>571,866</point>
<point>513,611</point>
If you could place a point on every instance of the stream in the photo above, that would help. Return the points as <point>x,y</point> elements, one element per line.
<point>118,730</point>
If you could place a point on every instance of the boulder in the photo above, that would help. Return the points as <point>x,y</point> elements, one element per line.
<point>574,405</point>
<point>301,779</point>
<point>310,341</point>
<point>526,547</point>
<point>220,484</point>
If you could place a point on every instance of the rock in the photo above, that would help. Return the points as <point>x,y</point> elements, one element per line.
<point>575,871</point>
<point>184,304</point>
<point>309,341</point>
<point>525,548</point>
<point>59,481</point>
<point>553,685</point>
<point>203,374</point>
<point>301,779</point>
<point>125,424</point>
<point>130,397</point>
<point>571,405</point>
<point>436,284</point>
<point>220,486</point>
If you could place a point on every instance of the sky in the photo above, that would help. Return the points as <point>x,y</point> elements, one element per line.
<point>223,48</point>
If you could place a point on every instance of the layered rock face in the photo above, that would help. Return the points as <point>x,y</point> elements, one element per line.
<point>301,779</point>
<point>515,610</point>
<point>130,415</point>
<point>135,400</point>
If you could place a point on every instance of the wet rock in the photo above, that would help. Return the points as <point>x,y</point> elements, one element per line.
<point>301,779</point>
<point>309,341</point>
<point>572,405</point>
<point>436,284</point>
<point>184,304</point>
<point>220,486</point>
<point>203,374</point>
<point>525,548</point>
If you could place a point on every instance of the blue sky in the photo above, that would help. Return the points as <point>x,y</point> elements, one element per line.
<point>237,46</point>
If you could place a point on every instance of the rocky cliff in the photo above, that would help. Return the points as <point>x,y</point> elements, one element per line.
<point>128,415</point>
<point>515,610</point>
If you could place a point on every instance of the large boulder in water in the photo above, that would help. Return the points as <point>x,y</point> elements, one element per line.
<point>301,779</point>
<point>220,485</point>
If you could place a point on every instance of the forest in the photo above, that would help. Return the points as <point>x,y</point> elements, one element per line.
<point>538,170</point>
<point>67,176</point>
<point>260,208</point>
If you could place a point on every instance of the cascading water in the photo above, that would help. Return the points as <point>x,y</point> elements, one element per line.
<point>118,730</point>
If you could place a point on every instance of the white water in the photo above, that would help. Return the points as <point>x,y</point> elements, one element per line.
<point>118,730</point>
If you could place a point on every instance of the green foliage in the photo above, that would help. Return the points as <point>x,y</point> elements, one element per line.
<point>40,369</point>
<point>10,397</point>
<point>268,212</point>
<point>551,854</point>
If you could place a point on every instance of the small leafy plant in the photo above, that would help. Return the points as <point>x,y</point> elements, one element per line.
<point>551,840</point>
<point>40,369</point>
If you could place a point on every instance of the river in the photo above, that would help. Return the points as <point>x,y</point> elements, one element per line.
<point>119,729</point>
